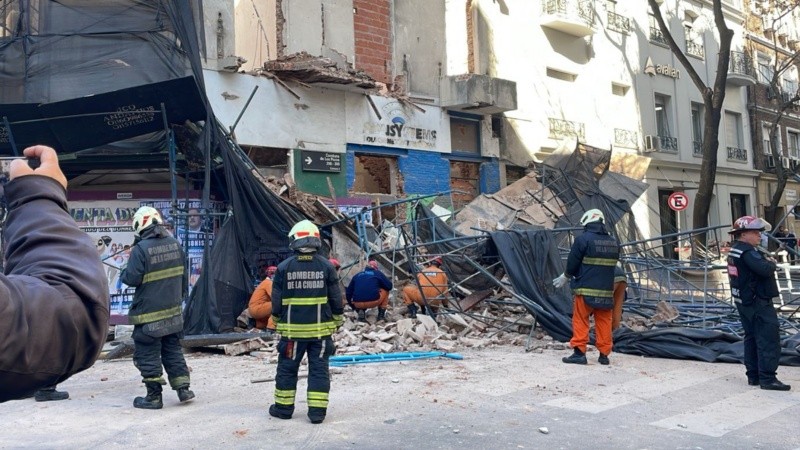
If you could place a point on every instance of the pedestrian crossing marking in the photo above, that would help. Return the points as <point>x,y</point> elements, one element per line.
<point>731,413</point>
<point>604,398</point>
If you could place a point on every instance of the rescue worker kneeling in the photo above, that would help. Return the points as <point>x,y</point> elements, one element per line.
<point>156,269</point>
<point>433,282</point>
<point>368,289</point>
<point>307,309</point>
<point>260,305</point>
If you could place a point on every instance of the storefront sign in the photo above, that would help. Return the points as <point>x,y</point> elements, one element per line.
<point>660,69</point>
<point>400,125</point>
<point>321,161</point>
<point>791,195</point>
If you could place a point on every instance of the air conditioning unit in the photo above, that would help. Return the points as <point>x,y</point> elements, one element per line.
<point>786,163</point>
<point>651,143</point>
<point>770,162</point>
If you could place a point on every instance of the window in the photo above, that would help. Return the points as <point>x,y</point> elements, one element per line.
<point>375,174</point>
<point>694,43</point>
<point>655,32</point>
<point>464,182</point>
<point>465,135</point>
<point>9,17</point>
<point>766,140</point>
<point>560,75</point>
<point>697,128</point>
<point>733,130</point>
<point>739,204</point>
<point>662,110</point>
<point>793,138</point>
<point>765,69</point>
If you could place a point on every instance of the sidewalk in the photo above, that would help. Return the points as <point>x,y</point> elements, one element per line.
<point>494,398</point>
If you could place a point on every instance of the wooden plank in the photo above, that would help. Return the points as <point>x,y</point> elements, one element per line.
<point>473,299</point>
<point>204,340</point>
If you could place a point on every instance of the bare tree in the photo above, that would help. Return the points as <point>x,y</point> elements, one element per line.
<point>713,97</point>
<point>783,95</point>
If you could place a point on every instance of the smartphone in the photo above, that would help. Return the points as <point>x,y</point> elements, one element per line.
<point>5,164</point>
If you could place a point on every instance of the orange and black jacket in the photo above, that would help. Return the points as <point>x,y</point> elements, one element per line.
<point>306,298</point>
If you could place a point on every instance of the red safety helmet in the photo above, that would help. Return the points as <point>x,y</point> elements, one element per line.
<point>271,270</point>
<point>335,263</point>
<point>749,223</point>
<point>438,261</point>
<point>373,264</point>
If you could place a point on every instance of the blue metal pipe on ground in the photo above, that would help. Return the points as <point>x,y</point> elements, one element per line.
<point>386,357</point>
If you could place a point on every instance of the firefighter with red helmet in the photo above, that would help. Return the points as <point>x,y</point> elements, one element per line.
<point>753,287</point>
<point>156,269</point>
<point>307,309</point>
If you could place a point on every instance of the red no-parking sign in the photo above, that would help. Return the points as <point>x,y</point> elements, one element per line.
<point>678,201</point>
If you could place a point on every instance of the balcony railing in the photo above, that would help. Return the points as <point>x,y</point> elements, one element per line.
<point>619,23</point>
<point>560,128</point>
<point>697,148</point>
<point>657,36</point>
<point>741,64</point>
<point>668,144</point>
<point>578,9</point>
<point>695,49</point>
<point>737,154</point>
<point>626,138</point>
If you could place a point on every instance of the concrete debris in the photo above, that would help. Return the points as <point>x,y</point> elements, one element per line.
<point>306,68</point>
<point>665,312</point>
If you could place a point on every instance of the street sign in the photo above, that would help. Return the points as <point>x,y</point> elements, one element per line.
<point>678,201</point>
<point>320,161</point>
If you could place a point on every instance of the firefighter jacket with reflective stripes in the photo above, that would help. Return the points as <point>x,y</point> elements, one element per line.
<point>306,299</point>
<point>751,275</point>
<point>590,263</point>
<point>156,269</point>
<point>366,285</point>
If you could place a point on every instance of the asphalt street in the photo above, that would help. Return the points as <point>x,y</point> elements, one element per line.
<point>494,398</point>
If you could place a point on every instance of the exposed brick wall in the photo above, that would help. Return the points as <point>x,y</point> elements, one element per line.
<point>373,34</point>
<point>425,172</point>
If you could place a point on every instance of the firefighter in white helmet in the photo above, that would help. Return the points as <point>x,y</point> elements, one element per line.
<point>590,265</point>
<point>156,269</point>
<point>753,287</point>
<point>307,309</point>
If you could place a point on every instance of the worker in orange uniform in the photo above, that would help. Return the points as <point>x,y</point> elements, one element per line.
<point>260,305</point>
<point>590,266</point>
<point>433,285</point>
<point>620,287</point>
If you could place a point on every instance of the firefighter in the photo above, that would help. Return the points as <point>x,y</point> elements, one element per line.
<point>590,265</point>
<point>753,286</point>
<point>307,310</point>
<point>156,269</point>
<point>432,281</point>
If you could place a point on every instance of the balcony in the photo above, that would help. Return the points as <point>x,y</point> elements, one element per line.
<point>573,17</point>
<point>657,36</point>
<point>478,94</point>
<point>618,23</point>
<point>663,144</point>
<point>697,149</point>
<point>560,129</point>
<point>626,138</point>
<point>695,49</point>
<point>740,70</point>
<point>737,154</point>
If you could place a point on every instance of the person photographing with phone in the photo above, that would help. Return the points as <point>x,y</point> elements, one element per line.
<point>53,289</point>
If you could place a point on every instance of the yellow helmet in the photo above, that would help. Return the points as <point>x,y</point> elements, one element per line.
<point>145,217</point>
<point>592,215</point>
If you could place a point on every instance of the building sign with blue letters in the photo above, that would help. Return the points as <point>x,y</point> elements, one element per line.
<point>320,161</point>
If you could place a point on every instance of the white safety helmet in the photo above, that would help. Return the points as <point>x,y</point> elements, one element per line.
<point>145,217</point>
<point>305,237</point>
<point>592,215</point>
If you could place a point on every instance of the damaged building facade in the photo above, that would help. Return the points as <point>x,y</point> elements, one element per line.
<point>358,99</point>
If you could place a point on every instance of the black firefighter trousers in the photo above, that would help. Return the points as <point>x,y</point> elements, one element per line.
<point>151,352</point>
<point>290,354</point>
<point>762,345</point>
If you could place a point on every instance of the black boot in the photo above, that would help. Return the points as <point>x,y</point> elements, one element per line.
<point>49,394</point>
<point>775,385</point>
<point>577,357</point>
<point>362,315</point>
<point>316,415</point>
<point>603,359</point>
<point>381,315</point>
<point>153,399</point>
<point>412,311</point>
<point>281,412</point>
<point>184,394</point>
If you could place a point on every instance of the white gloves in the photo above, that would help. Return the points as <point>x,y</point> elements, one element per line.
<point>561,281</point>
